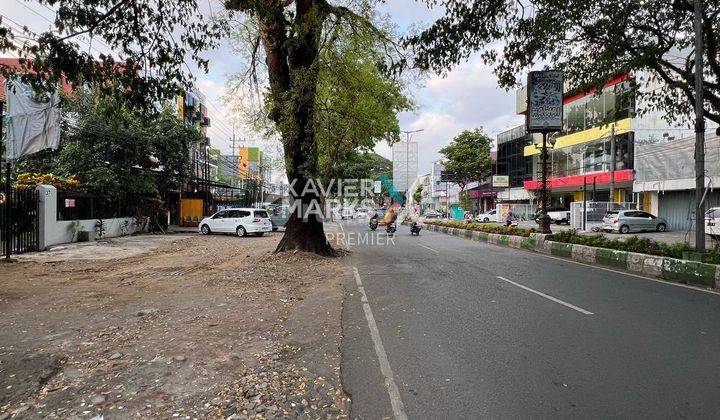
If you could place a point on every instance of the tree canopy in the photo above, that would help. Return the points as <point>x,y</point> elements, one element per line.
<point>151,39</point>
<point>591,41</point>
<point>468,157</point>
<point>358,103</point>
<point>119,152</point>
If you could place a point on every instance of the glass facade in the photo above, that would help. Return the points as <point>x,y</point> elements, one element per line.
<point>511,160</point>
<point>613,104</point>
<point>591,157</point>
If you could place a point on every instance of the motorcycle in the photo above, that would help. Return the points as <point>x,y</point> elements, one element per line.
<point>373,223</point>
<point>415,229</point>
<point>391,228</point>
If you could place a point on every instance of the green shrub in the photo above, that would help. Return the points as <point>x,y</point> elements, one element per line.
<point>483,227</point>
<point>635,244</point>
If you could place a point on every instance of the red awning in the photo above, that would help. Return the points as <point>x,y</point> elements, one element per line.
<point>577,180</point>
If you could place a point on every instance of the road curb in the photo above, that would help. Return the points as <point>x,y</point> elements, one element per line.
<point>665,268</point>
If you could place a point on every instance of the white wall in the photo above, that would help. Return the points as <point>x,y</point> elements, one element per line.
<point>53,232</point>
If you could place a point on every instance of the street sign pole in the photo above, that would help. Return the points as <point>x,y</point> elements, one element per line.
<point>544,115</point>
<point>544,219</point>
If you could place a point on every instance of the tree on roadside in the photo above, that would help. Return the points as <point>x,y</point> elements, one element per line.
<point>417,195</point>
<point>468,157</point>
<point>295,36</point>
<point>591,41</point>
<point>121,153</point>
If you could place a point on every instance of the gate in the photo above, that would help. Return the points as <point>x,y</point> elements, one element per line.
<point>594,212</point>
<point>24,224</point>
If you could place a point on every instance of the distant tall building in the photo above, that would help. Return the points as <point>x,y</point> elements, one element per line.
<point>405,164</point>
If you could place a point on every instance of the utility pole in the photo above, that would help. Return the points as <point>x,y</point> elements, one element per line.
<point>612,164</point>
<point>232,148</point>
<point>699,132</point>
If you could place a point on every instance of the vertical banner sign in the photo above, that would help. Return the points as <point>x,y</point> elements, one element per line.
<point>377,187</point>
<point>545,101</point>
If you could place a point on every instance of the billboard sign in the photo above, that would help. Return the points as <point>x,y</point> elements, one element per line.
<point>500,181</point>
<point>545,101</point>
<point>447,176</point>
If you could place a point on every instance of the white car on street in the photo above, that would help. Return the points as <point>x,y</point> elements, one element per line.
<point>242,221</point>
<point>491,216</point>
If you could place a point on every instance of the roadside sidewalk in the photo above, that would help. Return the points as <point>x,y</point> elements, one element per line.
<point>171,326</point>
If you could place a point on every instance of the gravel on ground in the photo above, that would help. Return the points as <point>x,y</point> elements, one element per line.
<point>171,326</point>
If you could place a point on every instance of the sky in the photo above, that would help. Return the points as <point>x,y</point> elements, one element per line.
<point>467,97</point>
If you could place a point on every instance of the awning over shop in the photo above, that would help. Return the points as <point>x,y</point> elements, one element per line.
<point>600,178</point>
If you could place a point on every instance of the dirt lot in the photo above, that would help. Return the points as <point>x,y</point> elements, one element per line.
<point>176,326</point>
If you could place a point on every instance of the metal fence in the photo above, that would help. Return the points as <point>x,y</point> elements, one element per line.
<point>594,212</point>
<point>24,233</point>
<point>77,206</point>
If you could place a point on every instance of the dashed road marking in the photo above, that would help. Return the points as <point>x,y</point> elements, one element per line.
<point>554,299</point>
<point>398,407</point>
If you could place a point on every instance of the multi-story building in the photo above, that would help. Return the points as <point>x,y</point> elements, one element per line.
<point>511,161</point>
<point>583,151</point>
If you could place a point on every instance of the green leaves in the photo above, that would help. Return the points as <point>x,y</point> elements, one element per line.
<point>112,148</point>
<point>592,41</point>
<point>468,156</point>
<point>151,40</point>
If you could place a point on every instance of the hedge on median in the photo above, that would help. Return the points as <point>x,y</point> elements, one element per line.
<point>635,244</point>
<point>483,227</point>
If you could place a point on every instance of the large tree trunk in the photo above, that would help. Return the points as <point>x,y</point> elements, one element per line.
<point>304,231</point>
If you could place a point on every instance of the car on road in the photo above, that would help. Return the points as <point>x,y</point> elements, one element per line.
<point>432,214</point>
<point>490,216</point>
<point>361,212</point>
<point>559,215</point>
<point>279,215</point>
<point>347,213</point>
<point>624,221</point>
<point>240,221</point>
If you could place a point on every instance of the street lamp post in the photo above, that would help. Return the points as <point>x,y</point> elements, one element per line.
<point>543,218</point>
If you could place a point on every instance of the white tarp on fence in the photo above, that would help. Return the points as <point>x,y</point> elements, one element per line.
<point>33,120</point>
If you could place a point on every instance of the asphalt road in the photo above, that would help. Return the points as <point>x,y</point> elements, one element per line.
<point>471,330</point>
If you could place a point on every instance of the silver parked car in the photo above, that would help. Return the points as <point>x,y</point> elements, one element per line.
<point>625,221</point>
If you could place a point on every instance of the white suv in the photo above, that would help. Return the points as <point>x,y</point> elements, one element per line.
<point>238,221</point>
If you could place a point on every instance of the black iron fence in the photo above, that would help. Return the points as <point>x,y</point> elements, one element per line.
<point>78,206</point>
<point>24,233</point>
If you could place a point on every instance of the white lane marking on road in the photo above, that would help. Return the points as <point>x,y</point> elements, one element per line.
<point>431,249</point>
<point>342,229</point>
<point>397,405</point>
<point>554,299</point>
<point>669,283</point>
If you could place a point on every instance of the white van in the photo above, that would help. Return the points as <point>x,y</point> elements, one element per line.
<point>238,221</point>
